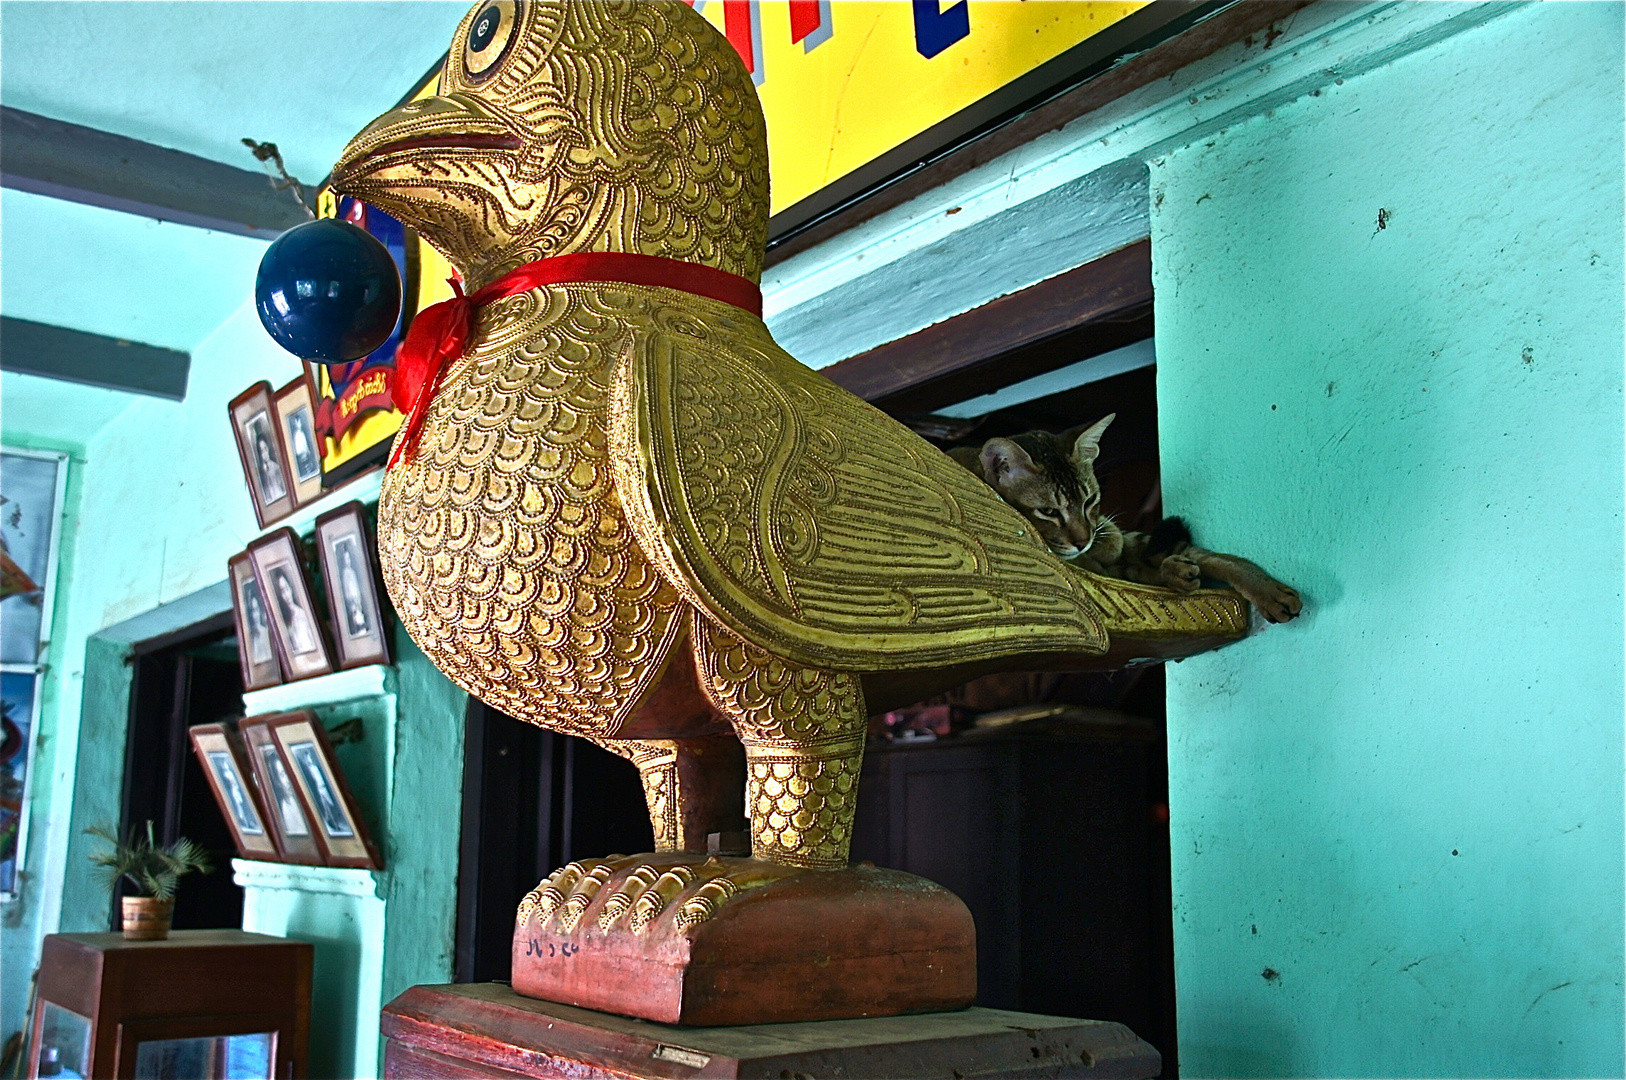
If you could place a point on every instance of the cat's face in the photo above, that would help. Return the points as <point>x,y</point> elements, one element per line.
<point>1052,483</point>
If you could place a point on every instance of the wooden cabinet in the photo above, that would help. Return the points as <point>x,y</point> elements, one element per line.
<point>212,1004</point>
<point>1057,840</point>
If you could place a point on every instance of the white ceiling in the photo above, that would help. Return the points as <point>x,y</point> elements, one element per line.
<point>201,75</point>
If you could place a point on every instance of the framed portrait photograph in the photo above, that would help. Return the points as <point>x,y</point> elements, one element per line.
<point>296,418</point>
<point>295,626</point>
<point>256,651</point>
<point>284,808</point>
<point>345,545</point>
<point>226,765</point>
<point>259,445</point>
<point>333,811</point>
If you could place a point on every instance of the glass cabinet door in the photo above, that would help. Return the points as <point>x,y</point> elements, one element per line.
<point>217,1057</point>
<point>64,1043</point>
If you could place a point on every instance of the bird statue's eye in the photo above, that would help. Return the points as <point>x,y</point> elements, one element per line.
<point>489,37</point>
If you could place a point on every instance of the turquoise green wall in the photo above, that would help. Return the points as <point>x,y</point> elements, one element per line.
<point>339,912</point>
<point>426,813</point>
<point>1408,803</point>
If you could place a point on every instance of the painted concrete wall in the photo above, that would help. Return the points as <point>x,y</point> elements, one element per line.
<point>1397,823</point>
<point>340,912</point>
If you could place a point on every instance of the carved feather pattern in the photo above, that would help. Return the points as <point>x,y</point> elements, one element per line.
<point>812,524</point>
<point>503,543</point>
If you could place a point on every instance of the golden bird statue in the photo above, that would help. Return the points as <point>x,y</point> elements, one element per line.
<point>623,511</point>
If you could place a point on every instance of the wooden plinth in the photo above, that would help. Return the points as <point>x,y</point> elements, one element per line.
<point>682,939</point>
<point>487,1030</point>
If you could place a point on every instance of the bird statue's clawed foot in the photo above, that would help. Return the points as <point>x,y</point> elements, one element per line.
<point>686,938</point>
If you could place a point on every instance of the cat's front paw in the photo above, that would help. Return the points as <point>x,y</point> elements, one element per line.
<point>1180,573</point>
<point>1275,601</point>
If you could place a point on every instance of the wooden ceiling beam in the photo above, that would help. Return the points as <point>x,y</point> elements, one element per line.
<point>98,168</point>
<point>56,352</point>
<point>1102,305</point>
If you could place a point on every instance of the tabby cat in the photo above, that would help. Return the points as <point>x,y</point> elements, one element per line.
<point>1050,479</point>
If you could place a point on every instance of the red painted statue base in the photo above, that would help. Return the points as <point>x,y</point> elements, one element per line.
<point>680,938</point>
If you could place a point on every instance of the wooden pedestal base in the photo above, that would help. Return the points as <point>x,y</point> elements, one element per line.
<point>685,939</point>
<point>486,1030</point>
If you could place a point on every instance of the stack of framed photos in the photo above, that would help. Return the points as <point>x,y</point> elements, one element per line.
<point>281,636</point>
<point>278,446</point>
<point>282,792</point>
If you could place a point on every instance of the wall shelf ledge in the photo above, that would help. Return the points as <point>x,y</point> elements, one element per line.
<point>339,881</point>
<point>374,680</point>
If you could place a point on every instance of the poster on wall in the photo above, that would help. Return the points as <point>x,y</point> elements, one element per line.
<point>31,487</point>
<point>33,484</point>
<point>20,703</point>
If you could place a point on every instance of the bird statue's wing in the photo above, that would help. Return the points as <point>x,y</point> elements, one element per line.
<point>812,524</point>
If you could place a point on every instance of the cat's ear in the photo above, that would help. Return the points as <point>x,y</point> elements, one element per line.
<point>1087,447</point>
<point>1003,460</point>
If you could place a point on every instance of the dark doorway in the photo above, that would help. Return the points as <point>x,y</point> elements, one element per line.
<point>1054,832</point>
<point>190,677</point>
<point>533,800</point>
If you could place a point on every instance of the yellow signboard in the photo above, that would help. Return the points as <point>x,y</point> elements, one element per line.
<point>845,82</point>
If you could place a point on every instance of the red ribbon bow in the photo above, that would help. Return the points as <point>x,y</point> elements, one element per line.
<point>440,333</point>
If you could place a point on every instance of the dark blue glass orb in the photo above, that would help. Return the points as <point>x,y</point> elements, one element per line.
<point>328,291</point>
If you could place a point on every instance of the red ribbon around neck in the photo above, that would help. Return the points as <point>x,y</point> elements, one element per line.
<point>440,333</point>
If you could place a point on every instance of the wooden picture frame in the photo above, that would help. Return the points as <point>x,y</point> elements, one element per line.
<point>302,448</point>
<point>333,809</point>
<point>259,448</point>
<point>279,567</point>
<point>290,819</point>
<point>344,544</point>
<point>256,647</point>
<point>225,763</point>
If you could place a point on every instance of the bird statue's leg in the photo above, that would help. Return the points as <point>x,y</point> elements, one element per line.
<point>691,786</point>
<point>803,731</point>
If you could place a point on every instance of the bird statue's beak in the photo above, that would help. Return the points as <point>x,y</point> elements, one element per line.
<point>389,144</point>
<point>429,163</point>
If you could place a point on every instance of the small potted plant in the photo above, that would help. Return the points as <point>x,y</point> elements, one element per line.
<point>153,872</point>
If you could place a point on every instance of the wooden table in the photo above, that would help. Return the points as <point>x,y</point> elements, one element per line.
<point>487,1030</point>
<point>102,998</point>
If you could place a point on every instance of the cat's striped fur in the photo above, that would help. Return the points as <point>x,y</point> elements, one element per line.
<point>1050,480</point>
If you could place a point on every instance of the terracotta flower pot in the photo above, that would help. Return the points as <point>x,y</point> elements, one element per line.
<point>146,919</point>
